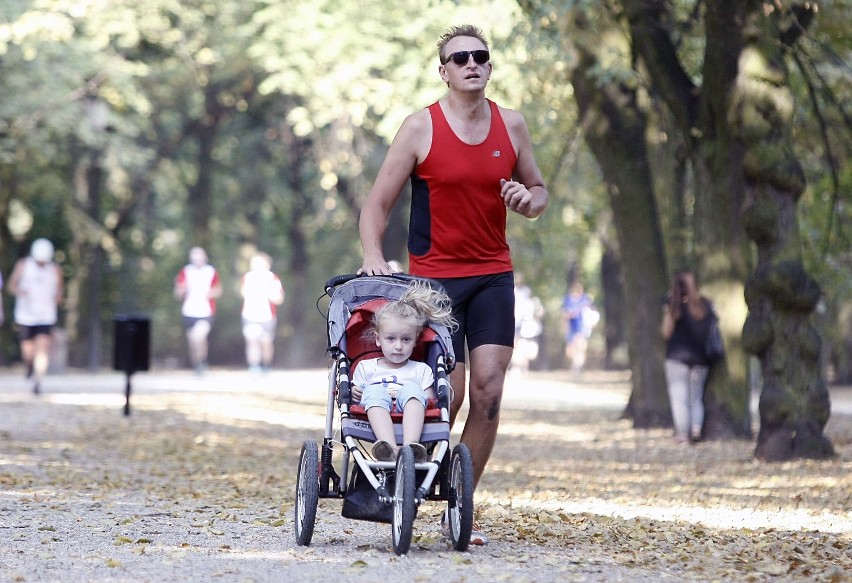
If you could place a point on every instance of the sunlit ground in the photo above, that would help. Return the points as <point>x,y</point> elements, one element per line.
<point>564,468</point>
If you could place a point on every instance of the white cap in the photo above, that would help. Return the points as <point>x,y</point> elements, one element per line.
<point>42,250</point>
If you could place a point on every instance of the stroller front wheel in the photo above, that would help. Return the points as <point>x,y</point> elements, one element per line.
<point>460,511</point>
<point>307,493</point>
<point>404,506</point>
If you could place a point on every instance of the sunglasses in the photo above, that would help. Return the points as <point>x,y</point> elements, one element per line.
<point>460,58</point>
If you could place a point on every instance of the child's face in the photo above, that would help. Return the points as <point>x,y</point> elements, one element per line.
<point>396,338</point>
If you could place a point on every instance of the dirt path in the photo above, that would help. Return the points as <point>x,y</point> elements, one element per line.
<point>197,485</point>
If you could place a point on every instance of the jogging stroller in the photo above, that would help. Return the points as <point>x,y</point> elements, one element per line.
<point>382,491</point>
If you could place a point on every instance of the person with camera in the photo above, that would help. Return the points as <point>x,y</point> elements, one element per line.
<point>687,319</point>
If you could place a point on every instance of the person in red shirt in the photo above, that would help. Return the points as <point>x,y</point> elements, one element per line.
<point>197,286</point>
<point>469,161</point>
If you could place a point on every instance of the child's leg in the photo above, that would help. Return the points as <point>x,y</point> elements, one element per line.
<point>413,400</point>
<point>377,402</point>
<point>412,421</point>
<point>380,421</point>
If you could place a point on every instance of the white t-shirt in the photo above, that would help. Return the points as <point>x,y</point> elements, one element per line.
<point>370,372</point>
<point>37,287</point>
<point>260,288</point>
<point>199,281</point>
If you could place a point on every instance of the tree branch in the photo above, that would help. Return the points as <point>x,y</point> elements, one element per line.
<point>830,159</point>
<point>654,45</point>
<point>803,15</point>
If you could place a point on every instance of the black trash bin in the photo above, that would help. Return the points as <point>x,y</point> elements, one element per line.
<point>132,348</point>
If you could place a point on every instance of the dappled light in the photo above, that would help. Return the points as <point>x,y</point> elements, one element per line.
<point>568,475</point>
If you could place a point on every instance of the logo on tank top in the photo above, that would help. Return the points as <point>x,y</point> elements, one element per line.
<point>495,154</point>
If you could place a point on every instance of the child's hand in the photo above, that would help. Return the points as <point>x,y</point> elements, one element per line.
<point>357,391</point>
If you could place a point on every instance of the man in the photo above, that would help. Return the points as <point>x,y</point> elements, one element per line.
<point>37,285</point>
<point>197,286</point>
<point>469,161</point>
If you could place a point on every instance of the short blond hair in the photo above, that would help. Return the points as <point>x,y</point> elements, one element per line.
<point>459,30</point>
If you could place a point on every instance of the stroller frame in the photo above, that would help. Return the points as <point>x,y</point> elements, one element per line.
<point>372,490</point>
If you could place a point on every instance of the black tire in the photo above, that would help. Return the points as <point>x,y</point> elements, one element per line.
<point>307,493</point>
<point>404,506</point>
<point>460,511</point>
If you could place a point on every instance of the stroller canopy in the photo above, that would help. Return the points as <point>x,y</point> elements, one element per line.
<point>348,296</point>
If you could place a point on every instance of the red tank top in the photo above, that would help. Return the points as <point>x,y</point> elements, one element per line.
<point>458,219</point>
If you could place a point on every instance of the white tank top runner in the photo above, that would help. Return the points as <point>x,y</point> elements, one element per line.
<point>36,303</point>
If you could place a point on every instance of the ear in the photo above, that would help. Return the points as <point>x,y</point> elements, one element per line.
<point>442,71</point>
<point>376,335</point>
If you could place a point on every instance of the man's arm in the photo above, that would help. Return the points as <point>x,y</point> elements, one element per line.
<point>399,163</point>
<point>180,285</point>
<point>526,194</point>
<point>215,286</point>
<point>15,278</point>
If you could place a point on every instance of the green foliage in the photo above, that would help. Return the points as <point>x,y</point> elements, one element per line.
<point>304,98</point>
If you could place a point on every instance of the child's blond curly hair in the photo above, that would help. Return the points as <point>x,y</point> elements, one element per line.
<point>421,304</point>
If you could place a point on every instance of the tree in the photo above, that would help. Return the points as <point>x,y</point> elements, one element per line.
<point>781,295</point>
<point>734,125</point>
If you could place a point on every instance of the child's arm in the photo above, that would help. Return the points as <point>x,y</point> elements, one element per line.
<point>359,381</point>
<point>428,381</point>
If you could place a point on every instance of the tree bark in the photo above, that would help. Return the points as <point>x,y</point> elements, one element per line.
<point>781,295</point>
<point>719,250</point>
<point>616,136</point>
<point>614,306</point>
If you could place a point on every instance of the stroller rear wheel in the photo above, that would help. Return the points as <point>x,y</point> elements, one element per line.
<point>460,512</point>
<point>307,493</point>
<point>404,507</point>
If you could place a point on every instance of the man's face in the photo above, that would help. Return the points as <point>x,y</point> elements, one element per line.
<point>471,75</point>
<point>198,257</point>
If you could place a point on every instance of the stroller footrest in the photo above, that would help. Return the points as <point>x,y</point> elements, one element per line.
<point>433,412</point>
<point>359,428</point>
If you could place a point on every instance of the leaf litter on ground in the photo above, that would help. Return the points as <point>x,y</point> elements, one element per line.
<point>565,487</point>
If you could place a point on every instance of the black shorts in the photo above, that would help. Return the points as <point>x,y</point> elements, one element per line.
<point>30,332</point>
<point>484,307</point>
<point>189,321</point>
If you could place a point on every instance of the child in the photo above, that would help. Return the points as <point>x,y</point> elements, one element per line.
<point>393,381</point>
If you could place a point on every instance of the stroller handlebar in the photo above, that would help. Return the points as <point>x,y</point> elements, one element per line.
<point>338,280</point>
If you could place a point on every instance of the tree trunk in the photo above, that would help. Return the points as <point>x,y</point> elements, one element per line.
<point>721,246</point>
<point>201,191</point>
<point>616,136</point>
<point>614,306</point>
<point>298,298</point>
<point>781,296</point>
<point>718,249</point>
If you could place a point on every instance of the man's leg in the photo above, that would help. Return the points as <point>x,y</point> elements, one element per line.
<point>27,355</point>
<point>488,365</point>
<point>458,381</point>
<point>41,355</point>
<point>197,337</point>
